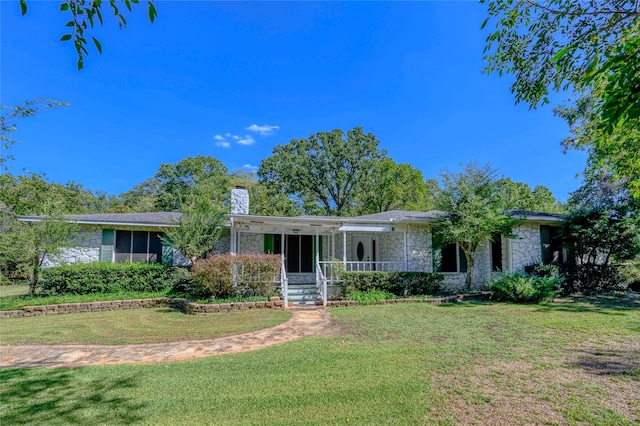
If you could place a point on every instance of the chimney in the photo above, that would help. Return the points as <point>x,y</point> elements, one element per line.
<point>239,200</point>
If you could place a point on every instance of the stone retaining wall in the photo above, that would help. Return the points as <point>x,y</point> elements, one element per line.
<point>183,305</point>
<point>192,308</point>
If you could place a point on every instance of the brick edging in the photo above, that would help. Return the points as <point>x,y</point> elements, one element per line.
<point>184,305</point>
<point>438,300</point>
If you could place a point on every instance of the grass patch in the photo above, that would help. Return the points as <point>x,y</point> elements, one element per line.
<point>134,326</point>
<point>14,290</point>
<point>468,363</point>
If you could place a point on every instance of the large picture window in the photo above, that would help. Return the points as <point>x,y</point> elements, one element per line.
<point>496,253</point>
<point>447,257</point>
<point>138,246</point>
<point>551,245</point>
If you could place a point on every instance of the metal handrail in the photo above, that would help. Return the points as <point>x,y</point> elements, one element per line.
<point>321,282</point>
<point>285,284</point>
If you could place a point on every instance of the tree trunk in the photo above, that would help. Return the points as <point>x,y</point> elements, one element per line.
<point>470,262</point>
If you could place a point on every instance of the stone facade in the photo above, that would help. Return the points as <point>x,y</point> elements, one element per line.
<point>85,248</point>
<point>525,248</point>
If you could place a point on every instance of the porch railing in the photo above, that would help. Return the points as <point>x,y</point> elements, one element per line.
<point>321,282</point>
<point>284,282</point>
<point>351,266</point>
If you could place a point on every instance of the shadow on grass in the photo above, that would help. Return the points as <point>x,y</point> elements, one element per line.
<point>610,362</point>
<point>60,396</point>
<point>464,304</point>
<point>606,305</point>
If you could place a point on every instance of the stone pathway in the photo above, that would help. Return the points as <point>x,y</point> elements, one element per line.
<point>303,323</point>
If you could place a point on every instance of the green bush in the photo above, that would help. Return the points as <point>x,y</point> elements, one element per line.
<point>369,297</point>
<point>398,283</point>
<point>86,278</point>
<point>521,287</point>
<point>225,275</point>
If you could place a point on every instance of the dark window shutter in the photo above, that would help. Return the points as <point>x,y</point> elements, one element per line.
<point>167,250</point>
<point>106,248</point>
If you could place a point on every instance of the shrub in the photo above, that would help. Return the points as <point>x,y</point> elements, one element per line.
<point>521,287</point>
<point>397,283</point>
<point>369,297</point>
<point>227,275</point>
<point>85,278</point>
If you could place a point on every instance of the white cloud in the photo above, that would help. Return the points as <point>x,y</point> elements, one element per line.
<point>218,137</point>
<point>246,140</point>
<point>223,144</point>
<point>264,130</point>
<point>250,167</point>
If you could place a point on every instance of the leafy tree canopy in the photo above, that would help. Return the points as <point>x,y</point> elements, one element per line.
<point>393,186</point>
<point>520,196</point>
<point>264,198</point>
<point>324,170</point>
<point>591,47</point>
<point>475,210</point>
<point>34,194</point>
<point>191,181</point>
<point>85,14</point>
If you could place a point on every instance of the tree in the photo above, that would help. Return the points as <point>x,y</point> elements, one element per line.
<point>265,198</point>
<point>142,197</point>
<point>602,230</point>
<point>520,196</point>
<point>85,14</point>
<point>27,245</point>
<point>199,228</point>
<point>34,193</point>
<point>591,47</point>
<point>8,118</point>
<point>191,181</point>
<point>324,170</point>
<point>393,186</point>
<point>475,211</point>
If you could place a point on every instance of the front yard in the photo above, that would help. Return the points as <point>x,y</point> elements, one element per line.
<point>467,363</point>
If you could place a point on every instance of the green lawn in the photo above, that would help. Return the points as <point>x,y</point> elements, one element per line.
<point>468,363</point>
<point>134,326</point>
<point>14,290</point>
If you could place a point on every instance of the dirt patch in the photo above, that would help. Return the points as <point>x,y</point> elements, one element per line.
<point>587,382</point>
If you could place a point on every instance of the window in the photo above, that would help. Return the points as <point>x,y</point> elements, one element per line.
<point>138,246</point>
<point>551,245</point>
<point>447,257</point>
<point>496,253</point>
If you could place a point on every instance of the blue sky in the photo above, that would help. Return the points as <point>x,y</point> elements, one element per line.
<point>234,79</point>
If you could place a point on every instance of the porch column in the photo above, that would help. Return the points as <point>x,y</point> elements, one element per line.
<point>232,242</point>
<point>317,247</point>
<point>333,246</point>
<point>238,232</point>
<point>344,250</point>
<point>406,255</point>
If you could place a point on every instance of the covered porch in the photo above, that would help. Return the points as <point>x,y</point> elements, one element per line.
<point>315,249</point>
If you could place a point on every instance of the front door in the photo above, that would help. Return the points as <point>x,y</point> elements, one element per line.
<point>363,250</point>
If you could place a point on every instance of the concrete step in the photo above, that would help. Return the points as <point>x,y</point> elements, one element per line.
<point>304,297</point>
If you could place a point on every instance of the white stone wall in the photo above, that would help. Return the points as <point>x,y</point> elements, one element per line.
<point>85,248</point>
<point>525,247</point>
<point>419,257</point>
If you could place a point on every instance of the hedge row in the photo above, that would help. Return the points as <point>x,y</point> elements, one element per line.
<point>85,278</point>
<point>397,283</point>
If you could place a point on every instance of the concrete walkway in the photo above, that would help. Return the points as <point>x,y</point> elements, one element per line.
<point>303,323</point>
